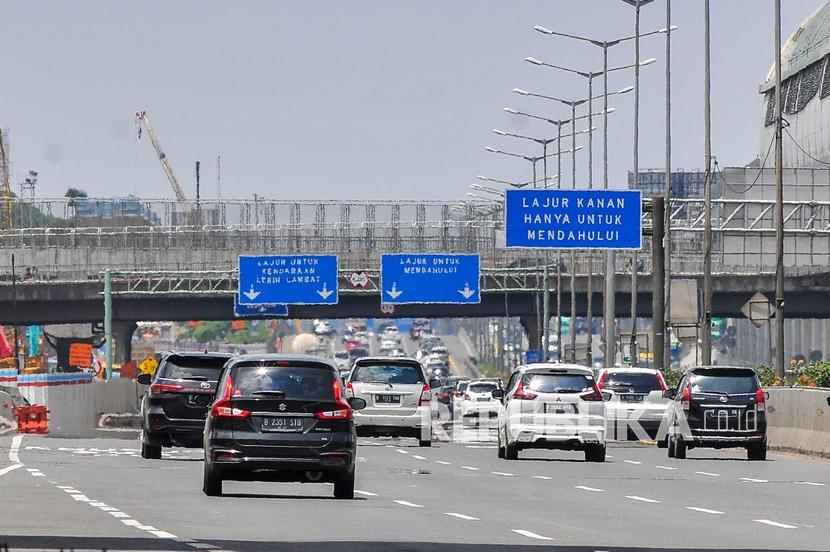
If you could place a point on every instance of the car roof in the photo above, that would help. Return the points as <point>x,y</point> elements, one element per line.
<point>272,357</point>
<point>630,370</point>
<point>555,366</point>
<point>199,354</point>
<point>378,358</point>
<point>699,369</point>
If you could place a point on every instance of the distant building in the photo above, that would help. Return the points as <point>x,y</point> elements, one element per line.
<point>684,184</point>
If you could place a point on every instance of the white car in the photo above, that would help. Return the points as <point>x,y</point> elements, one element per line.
<point>552,406</point>
<point>392,333</point>
<point>398,398</point>
<point>635,406</point>
<point>458,396</point>
<point>478,401</point>
<point>388,345</point>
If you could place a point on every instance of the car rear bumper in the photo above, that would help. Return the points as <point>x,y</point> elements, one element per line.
<point>478,409</point>
<point>255,464</point>
<point>556,436</point>
<point>422,417</point>
<point>160,429</point>
<point>724,439</point>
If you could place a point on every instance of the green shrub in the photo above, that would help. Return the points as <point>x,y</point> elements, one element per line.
<point>766,375</point>
<point>672,378</point>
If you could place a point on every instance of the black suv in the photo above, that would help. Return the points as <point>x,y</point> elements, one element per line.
<point>173,410</point>
<point>717,407</point>
<point>281,418</point>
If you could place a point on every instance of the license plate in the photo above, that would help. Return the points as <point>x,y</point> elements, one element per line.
<point>388,399</point>
<point>198,400</point>
<point>482,399</point>
<point>287,425</point>
<point>631,398</point>
<point>559,408</point>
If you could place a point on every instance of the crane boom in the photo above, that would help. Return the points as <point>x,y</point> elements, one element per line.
<point>5,187</point>
<point>142,119</point>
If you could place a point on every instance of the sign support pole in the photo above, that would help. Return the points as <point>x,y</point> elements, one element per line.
<point>108,321</point>
<point>658,281</point>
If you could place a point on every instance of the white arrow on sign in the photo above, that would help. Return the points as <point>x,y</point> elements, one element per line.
<point>325,292</point>
<point>467,292</point>
<point>251,294</point>
<point>394,293</point>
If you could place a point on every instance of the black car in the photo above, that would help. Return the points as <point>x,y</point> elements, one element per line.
<point>281,418</point>
<point>173,410</point>
<point>717,407</point>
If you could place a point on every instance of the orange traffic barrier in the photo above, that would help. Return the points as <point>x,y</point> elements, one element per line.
<point>32,419</point>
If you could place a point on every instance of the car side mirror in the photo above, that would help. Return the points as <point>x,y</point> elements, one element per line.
<point>498,394</point>
<point>434,383</point>
<point>357,403</point>
<point>670,394</point>
<point>144,379</point>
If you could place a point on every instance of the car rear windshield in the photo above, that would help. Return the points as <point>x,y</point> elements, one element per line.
<point>636,382</point>
<point>407,374</point>
<point>482,388</point>
<point>193,367</point>
<point>557,383</point>
<point>463,386</point>
<point>716,381</point>
<point>295,382</point>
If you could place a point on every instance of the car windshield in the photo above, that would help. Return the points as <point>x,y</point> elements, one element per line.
<point>193,367</point>
<point>724,382</point>
<point>296,382</point>
<point>637,382</point>
<point>406,374</point>
<point>482,388</point>
<point>557,383</point>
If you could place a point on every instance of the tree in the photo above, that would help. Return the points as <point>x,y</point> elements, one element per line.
<point>75,192</point>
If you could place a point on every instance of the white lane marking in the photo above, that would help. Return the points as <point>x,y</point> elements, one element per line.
<point>591,489</point>
<point>608,456</point>
<point>443,463</point>
<point>31,470</point>
<point>11,468</point>
<point>131,522</point>
<point>80,498</point>
<point>107,509</point>
<point>545,477</point>
<point>365,493</point>
<point>118,514</point>
<point>503,474</point>
<point>531,534</point>
<point>814,484</point>
<point>471,468</point>
<point>643,499</point>
<point>632,462</point>
<point>704,510</point>
<point>38,474</point>
<point>146,527</point>
<point>402,451</point>
<point>418,457</point>
<point>64,487</point>
<point>163,534</point>
<point>665,468</point>
<point>14,449</point>
<point>72,491</point>
<point>38,448</point>
<point>775,524</point>
<point>98,504</point>
<point>410,504</point>
<point>461,516</point>
<point>710,474</point>
<point>201,545</point>
<point>753,480</point>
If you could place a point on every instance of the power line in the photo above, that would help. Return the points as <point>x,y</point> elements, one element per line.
<point>804,151</point>
<point>757,176</point>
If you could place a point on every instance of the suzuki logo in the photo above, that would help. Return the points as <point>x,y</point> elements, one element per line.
<point>282,407</point>
<point>724,398</point>
<point>204,385</point>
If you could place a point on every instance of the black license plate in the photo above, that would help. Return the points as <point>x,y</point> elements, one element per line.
<point>285,425</point>
<point>631,398</point>
<point>388,399</point>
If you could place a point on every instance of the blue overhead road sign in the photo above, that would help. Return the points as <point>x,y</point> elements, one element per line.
<point>574,219</point>
<point>288,280</point>
<point>426,278</point>
<point>258,311</point>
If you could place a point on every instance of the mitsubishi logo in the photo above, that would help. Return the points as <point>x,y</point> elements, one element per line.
<point>282,407</point>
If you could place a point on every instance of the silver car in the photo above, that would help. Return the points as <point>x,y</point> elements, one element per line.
<point>398,396</point>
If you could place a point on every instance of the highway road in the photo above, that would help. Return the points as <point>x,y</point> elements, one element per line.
<point>99,494</point>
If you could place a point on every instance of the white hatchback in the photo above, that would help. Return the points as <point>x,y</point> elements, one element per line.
<point>552,406</point>
<point>478,402</point>
<point>635,404</point>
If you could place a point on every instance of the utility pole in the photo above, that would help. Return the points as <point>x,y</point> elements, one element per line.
<point>609,299</point>
<point>666,352</point>
<point>108,322</point>
<point>14,317</point>
<point>658,299</point>
<point>779,205</point>
<point>706,338</point>
<point>218,177</point>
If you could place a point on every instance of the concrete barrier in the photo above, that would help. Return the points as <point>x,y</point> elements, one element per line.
<point>799,421</point>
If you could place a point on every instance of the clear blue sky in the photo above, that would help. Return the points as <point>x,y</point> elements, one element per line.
<point>358,99</point>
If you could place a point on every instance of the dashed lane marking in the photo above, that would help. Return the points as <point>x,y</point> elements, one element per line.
<point>14,449</point>
<point>710,474</point>
<point>503,474</point>
<point>643,499</point>
<point>162,534</point>
<point>812,483</point>
<point>753,480</point>
<point>443,463</point>
<point>531,534</point>
<point>9,469</point>
<point>461,516</point>
<point>410,504</point>
<point>704,510</point>
<point>665,468</point>
<point>365,493</point>
<point>590,489</point>
<point>418,457</point>
<point>119,514</point>
<point>471,468</point>
<point>775,524</point>
<point>201,545</point>
<point>545,477</point>
<point>632,462</point>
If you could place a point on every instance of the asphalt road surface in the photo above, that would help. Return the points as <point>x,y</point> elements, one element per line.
<point>99,494</point>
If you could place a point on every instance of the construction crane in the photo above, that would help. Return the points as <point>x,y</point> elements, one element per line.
<point>142,120</point>
<point>7,214</point>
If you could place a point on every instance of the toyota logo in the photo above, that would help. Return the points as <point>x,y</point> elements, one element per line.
<point>724,398</point>
<point>282,407</point>
<point>204,385</point>
<point>388,386</point>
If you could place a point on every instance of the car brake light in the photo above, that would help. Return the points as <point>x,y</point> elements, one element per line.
<point>349,390</point>
<point>686,398</point>
<point>661,381</point>
<point>467,397</point>
<point>760,400</point>
<point>426,395</point>
<point>343,412</point>
<point>594,395</point>
<point>223,409</point>
<point>157,388</point>
<point>523,395</point>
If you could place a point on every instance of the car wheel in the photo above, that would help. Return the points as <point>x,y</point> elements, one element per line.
<point>670,446</point>
<point>424,443</point>
<point>344,487</point>
<point>501,447</point>
<point>212,484</point>
<point>679,448</point>
<point>150,452</point>
<point>595,453</point>
<point>663,443</point>
<point>511,452</point>
<point>757,451</point>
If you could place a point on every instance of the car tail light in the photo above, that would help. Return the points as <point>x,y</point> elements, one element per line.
<point>760,400</point>
<point>467,397</point>
<point>158,388</point>
<point>223,408</point>
<point>594,395</point>
<point>686,398</point>
<point>343,411</point>
<point>523,395</point>
<point>426,396</point>
<point>661,381</point>
<point>349,390</point>
<point>602,379</point>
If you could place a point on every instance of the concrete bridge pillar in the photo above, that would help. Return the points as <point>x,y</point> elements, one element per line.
<point>123,331</point>
<point>531,327</point>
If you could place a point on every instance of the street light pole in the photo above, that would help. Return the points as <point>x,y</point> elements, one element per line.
<point>573,253</point>
<point>609,302</point>
<point>779,204</point>
<point>706,338</point>
<point>636,169</point>
<point>665,351</point>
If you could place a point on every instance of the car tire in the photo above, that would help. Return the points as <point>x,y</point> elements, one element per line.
<point>212,484</point>
<point>150,452</point>
<point>344,487</point>
<point>664,443</point>
<point>501,452</point>
<point>757,452</point>
<point>670,446</point>
<point>595,453</point>
<point>679,448</point>
<point>422,443</point>
<point>511,452</point>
